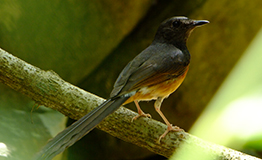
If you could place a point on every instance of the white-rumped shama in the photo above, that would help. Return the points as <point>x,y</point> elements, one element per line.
<point>153,74</point>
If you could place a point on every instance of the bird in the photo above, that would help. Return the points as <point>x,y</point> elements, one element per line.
<point>153,74</point>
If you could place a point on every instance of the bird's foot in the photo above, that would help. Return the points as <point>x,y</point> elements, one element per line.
<point>141,114</point>
<point>170,128</point>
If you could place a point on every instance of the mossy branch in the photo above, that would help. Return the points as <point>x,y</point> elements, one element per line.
<point>48,89</point>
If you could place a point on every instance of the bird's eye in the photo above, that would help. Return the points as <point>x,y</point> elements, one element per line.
<point>176,24</point>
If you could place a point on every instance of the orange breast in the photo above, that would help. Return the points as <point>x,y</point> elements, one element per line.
<point>163,89</point>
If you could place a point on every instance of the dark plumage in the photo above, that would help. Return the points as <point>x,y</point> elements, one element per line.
<point>153,74</point>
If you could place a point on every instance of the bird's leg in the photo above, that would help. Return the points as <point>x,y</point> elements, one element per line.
<point>140,112</point>
<point>169,125</point>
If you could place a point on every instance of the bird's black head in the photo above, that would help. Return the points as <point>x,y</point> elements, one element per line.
<point>176,30</point>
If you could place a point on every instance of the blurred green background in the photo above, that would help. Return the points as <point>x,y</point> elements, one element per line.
<point>89,42</point>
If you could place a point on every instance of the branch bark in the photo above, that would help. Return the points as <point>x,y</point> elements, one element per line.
<point>48,89</point>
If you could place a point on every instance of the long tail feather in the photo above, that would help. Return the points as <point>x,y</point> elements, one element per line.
<point>78,129</point>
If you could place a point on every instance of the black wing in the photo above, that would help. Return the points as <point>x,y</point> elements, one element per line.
<point>155,68</point>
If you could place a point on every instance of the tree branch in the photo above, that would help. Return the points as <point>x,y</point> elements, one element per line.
<point>48,89</point>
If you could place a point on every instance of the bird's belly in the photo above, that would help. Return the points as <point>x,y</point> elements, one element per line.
<point>162,90</point>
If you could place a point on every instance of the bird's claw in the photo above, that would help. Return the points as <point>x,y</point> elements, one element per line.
<point>141,115</point>
<point>170,128</point>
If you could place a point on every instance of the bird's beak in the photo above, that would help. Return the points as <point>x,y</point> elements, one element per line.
<point>197,23</point>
